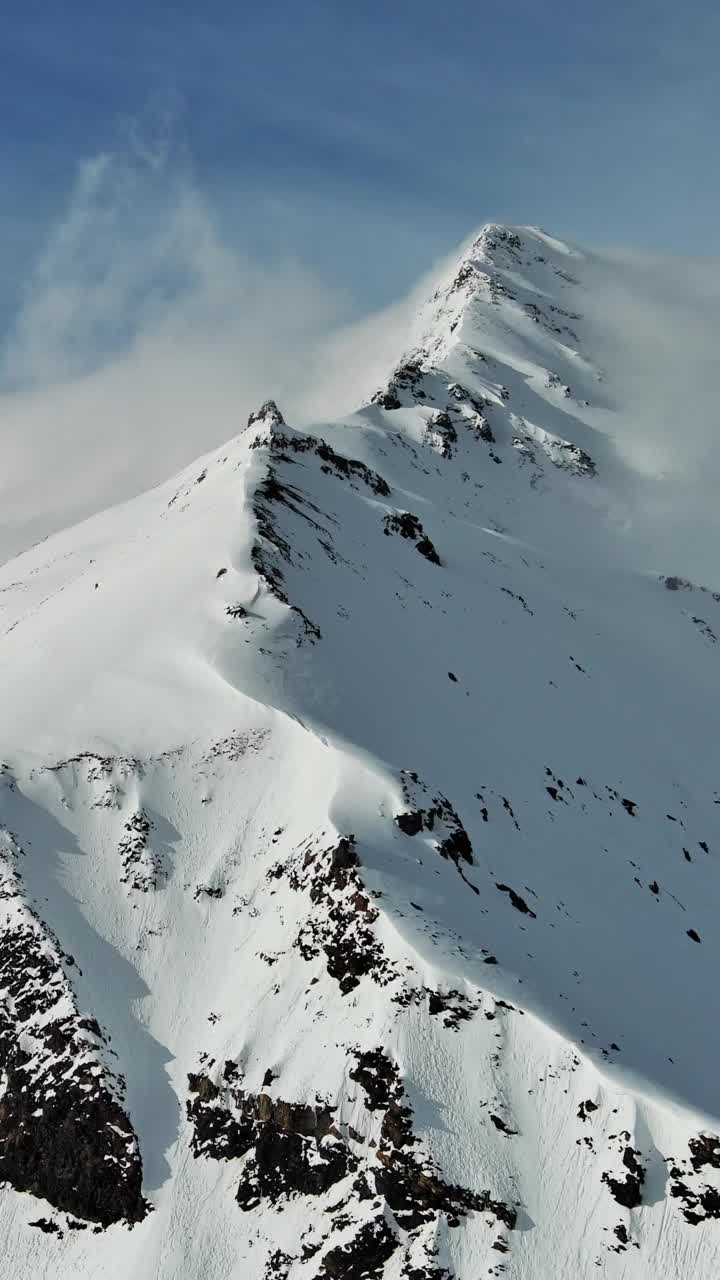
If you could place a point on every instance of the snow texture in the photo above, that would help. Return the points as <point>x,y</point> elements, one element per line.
<point>360,838</point>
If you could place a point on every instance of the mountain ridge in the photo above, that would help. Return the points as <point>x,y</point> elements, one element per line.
<point>351,768</point>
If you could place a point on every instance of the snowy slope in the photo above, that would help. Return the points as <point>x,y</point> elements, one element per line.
<point>359,837</point>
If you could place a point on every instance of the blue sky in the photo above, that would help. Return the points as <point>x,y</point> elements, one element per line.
<point>366,139</point>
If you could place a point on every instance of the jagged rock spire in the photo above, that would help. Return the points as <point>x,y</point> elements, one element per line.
<point>268,415</point>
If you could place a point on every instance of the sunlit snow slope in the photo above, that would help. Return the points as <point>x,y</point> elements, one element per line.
<point>359,841</point>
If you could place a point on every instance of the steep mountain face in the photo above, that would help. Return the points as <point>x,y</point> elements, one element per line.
<point>359,843</point>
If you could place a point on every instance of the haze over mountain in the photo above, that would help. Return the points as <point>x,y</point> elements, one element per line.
<point>359,823</point>
<point>147,333</point>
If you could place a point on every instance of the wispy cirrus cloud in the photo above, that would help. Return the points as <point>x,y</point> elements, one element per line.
<point>145,337</point>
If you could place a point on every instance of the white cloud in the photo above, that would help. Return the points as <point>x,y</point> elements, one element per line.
<point>653,322</point>
<point>145,338</point>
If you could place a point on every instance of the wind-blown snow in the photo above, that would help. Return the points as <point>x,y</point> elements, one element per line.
<point>368,776</point>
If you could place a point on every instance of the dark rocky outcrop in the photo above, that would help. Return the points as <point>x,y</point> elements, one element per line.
<point>502,1126</point>
<point>405,378</point>
<point>451,838</point>
<point>365,1256</point>
<point>268,415</point>
<point>350,468</point>
<point>408,526</point>
<point>283,444</point>
<point>341,924</point>
<point>705,1151</point>
<point>387,399</point>
<point>586,1108</point>
<point>64,1134</point>
<point>278,1265</point>
<point>293,1148</point>
<point>578,460</point>
<point>517,901</point>
<point>627,1190</point>
<point>141,867</point>
<point>295,1151</point>
<point>270,493</point>
<point>411,1186</point>
<point>453,1006</point>
<point>698,1204</point>
<point>272,550</point>
<point>429,1272</point>
<point>441,433</point>
<point>77,1151</point>
<point>675,583</point>
<point>411,823</point>
<point>700,1200</point>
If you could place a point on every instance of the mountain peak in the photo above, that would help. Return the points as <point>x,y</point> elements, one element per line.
<point>358,912</point>
<point>499,349</point>
<point>501,266</point>
<point>267,415</point>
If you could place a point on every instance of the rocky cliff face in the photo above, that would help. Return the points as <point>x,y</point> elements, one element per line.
<point>360,836</point>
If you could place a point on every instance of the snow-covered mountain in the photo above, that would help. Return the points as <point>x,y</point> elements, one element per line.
<point>360,842</point>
